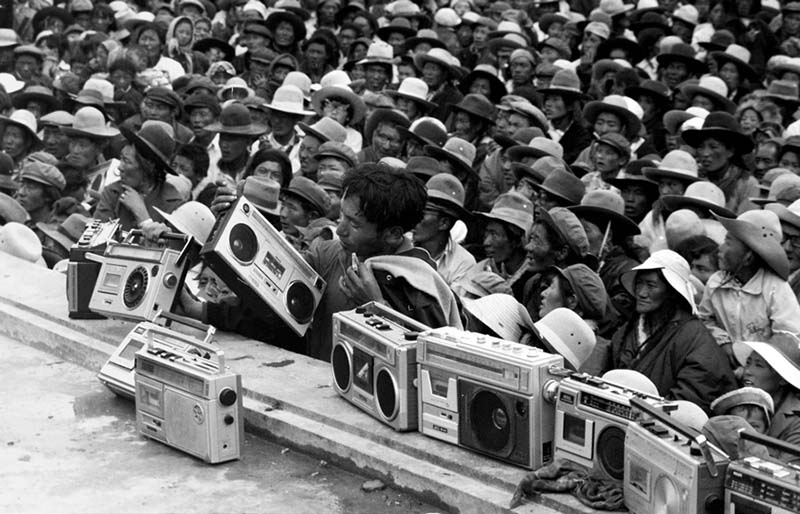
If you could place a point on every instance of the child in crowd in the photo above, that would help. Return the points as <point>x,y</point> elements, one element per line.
<point>752,404</point>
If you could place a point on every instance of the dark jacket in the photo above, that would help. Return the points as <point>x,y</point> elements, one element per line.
<point>449,94</point>
<point>574,140</point>
<point>682,359</point>
<point>165,197</point>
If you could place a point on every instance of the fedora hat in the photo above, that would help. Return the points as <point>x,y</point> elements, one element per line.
<point>476,105</point>
<point>192,219</point>
<point>783,92</point>
<point>155,141</point>
<point>614,104</point>
<point>67,232</point>
<point>789,65</point>
<point>235,119</point>
<point>568,227</point>
<point>512,208</point>
<point>588,288</point>
<point>423,167</point>
<point>204,45</point>
<point>788,215</point>
<point>603,207</point>
<point>615,7</point>
<point>36,94</point>
<point>20,241</point>
<point>739,56</point>
<point>308,190</point>
<point>497,88</point>
<point>713,88</point>
<point>521,136</point>
<point>106,90</point>
<point>383,115</point>
<point>396,26</point>
<point>343,93</point>
<point>22,118</point>
<point>437,56</point>
<point>427,131</point>
<point>538,147</point>
<point>554,43</point>
<point>505,27</point>
<point>11,210</point>
<point>423,36</point>
<point>564,333</point>
<point>566,83</point>
<point>90,97</point>
<point>548,19</point>
<point>338,151</point>
<point>702,195</point>
<point>288,99</point>
<point>379,52</point>
<point>723,126</point>
<point>326,129</point>
<point>275,19</point>
<point>654,89</point>
<point>784,190</point>
<point>446,192</point>
<point>539,170</point>
<point>674,269</point>
<point>684,53</point>
<point>563,185</point>
<point>530,111</point>
<point>782,353</point>
<point>51,12</point>
<point>90,122</point>
<point>457,152</point>
<point>674,119</point>
<point>761,232</point>
<point>510,40</point>
<point>264,193</point>
<point>414,89</point>
<point>503,314</point>
<point>676,165</point>
<point>633,50</point>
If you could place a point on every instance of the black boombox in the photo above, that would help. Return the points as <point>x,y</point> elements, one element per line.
<point>139,279</point>
<point>81,272</point>
<point>763,486</point>
<point>189,400</point>
<point>118,372</point>
<point>261,267</point>
<point>374,362</point>
<point>670,467</point>
<point>592,417</point>
<point>488,395</point>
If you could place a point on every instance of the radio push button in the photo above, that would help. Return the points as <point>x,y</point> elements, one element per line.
<point>227,397</point>
<point>228,419</point>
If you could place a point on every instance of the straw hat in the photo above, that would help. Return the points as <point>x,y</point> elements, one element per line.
<point>564,332</point>
<point>379,53</point>
<point>288,99</point>
<point>782,353</point>
<point>677,165</point>
<point>511,208</point>
<point>615,104</point>
<point>90,122</point>
<point>713,88</point>
<point>457,152</point>
<point>674,269</point>
<point>602,207</point>
<point>503,314</point>
<point>155,141</point>
<point>20,241</point>
<point>22,118</point>
<point>761,232</point>
<point>414,89</point>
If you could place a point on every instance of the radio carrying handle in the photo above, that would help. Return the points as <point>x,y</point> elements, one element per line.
<point>170,317</point>
<point>205,344</point>
<point>689,433</point>
<point>770,441</point>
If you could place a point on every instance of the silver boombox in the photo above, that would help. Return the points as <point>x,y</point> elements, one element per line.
<point>489,395</point>
<point>671,468</point>
<point>118,372</point>
<point>189,400</point>
<point>260,266</point>
<point>82,272</point>
<point>137,281</point>
<point>374,362</point>
<point>592,416</point>
<point>769,486</point>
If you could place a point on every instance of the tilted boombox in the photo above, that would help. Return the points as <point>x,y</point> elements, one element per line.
<point>374,362</point>
<point>118,372</point>
<point>763,486</point>
<point>139,279</point>
<point>260,266</point>
<point>489,395</point>
<point>81,272</point>
<point>189,400</point>
<point>592,416</point>
<point>670,467</point>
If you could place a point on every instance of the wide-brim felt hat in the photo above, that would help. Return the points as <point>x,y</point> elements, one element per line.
<point>6,120</point>
<point>206,44</point>
<point>695,66</point>
<point>722,103</point>
<point>632,123</point>
<point>66,233</point>
<point>499,42</point>
<point>623,180</point>
<point>231,124</point>
<point>602,216</point>
<point>757,239</point>
<point>147,149</point>
<point>744,67</point>
<point>11,210</point>
<point>655,173</point>
<point>426,105</point>
<point>386,31</point>
<point>661,96</point>
<point>636,53</point>
<point>383,114</point>
<point>345,93</point>
<point>675,202</point>
<point>781,354</point>
<point>497,90</point>
<point>524,171</point>
<point>51,12</point>
<point>441,154</point>
<point>36,94</point>
<point>471,104</point>
<point>412,42</point>
<point>512,208</point>
<point>723,126</point>
<point>91,132</point>
<point>421,58</point>
<point>276,17</point>
<point>563,91</point>
<point>424,139</point>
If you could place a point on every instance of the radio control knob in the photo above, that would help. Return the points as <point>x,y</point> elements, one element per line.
<point>361,310</point>
<point>170,280</point>
<point>228,419</point>
<point>227,397</point>
<point>714,504</point>
<point>410,336</point>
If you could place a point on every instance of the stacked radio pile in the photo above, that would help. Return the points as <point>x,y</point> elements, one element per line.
<point>512,402</point>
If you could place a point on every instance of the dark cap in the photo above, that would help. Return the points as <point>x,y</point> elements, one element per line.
<point>43,173</point>
<point>165,95</point>
<point>311,192</point>
<point>199,100</point>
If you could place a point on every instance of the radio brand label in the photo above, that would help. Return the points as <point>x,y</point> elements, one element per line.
<point>439,428</point>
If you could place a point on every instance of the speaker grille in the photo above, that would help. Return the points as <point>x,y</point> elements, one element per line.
<point>386,393</point>
<point>243,243</point>
<point>300,302</point>
<point>490,420</point>
<point>611,451</point>
<point>135,287</point>
<point>340,362</point>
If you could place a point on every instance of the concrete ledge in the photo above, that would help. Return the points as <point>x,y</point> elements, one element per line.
<point>289,398</point>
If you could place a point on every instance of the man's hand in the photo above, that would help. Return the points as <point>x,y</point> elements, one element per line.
<point>223,199</point>
<point>133,201</point>
<point>360,287</point>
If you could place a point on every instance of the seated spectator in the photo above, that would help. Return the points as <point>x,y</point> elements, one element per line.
<point>191,161</point>
<point>752,404</point>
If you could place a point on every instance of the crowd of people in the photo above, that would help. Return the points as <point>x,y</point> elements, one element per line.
<point>483,164</point>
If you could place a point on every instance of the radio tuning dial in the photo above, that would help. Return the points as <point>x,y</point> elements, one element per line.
<point>170,280</point>
<point>227,397</point>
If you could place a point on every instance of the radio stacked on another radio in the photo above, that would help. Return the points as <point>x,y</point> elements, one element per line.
<point>81,272</point>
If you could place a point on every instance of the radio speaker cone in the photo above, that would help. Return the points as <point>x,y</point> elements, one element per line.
<point>135,287</point>
<point>611,451</point>
<point>340,362</point>
<point>666,497</point>
<point>243,243</point>
<point>490,420</point>
<point>386,393</point>
<point>300,302</point>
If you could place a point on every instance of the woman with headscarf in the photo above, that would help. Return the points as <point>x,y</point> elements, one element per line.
<point>664,340</point>
<point>180,39</point>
